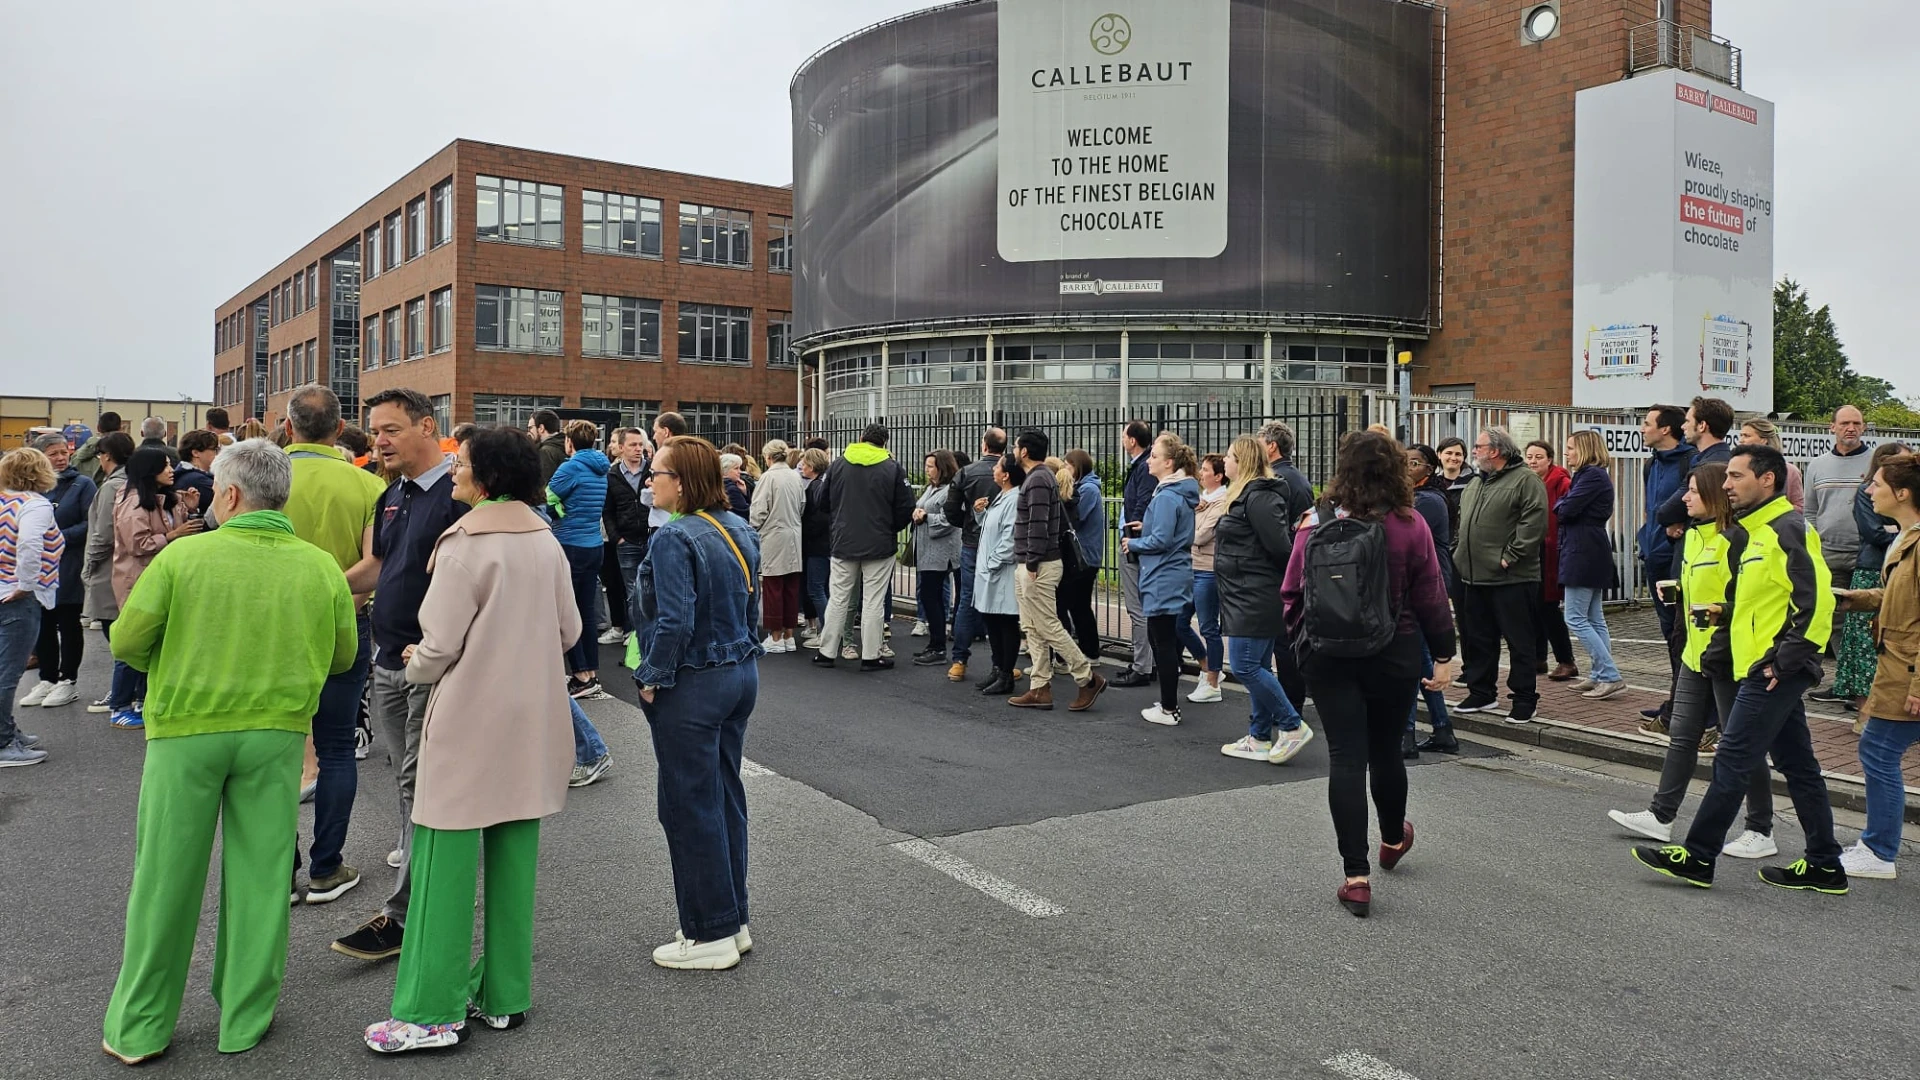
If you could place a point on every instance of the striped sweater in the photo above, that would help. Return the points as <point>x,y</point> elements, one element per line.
<point>30,546</point>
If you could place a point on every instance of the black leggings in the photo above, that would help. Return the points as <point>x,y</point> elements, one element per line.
<point>60,645</point>
<point>1363,711</point>
<point>1003,638</point>
<point>1075,604</point>
<point>1551,620</point>
<point>1163,637</point>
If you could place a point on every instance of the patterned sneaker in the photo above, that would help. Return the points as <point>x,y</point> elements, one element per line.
<point>1710,742</point>
<point>398,1036</point>
<point>591,772</point>
<point>496,1023</point>
<point>1286,744</point>
<point>128,720</point>
<point>1248,749</point>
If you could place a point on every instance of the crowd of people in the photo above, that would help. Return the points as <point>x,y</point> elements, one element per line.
<point>412,573</point>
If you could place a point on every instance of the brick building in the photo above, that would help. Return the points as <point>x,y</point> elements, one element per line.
<point>498,281</point>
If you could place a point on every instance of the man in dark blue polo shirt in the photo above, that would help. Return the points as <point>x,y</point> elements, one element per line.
<point>412,514</point>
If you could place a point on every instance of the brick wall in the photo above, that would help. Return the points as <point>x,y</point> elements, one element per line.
<point>1507,300</point>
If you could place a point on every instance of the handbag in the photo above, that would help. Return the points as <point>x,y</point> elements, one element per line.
<point>1072,560</point>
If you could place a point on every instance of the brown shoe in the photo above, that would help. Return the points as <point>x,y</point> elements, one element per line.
<point>958,672</point>
<point>1039,697</point>
<point>1564,673</point>
<point>1088,693</point>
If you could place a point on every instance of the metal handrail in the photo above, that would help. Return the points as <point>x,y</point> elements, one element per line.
<point>1664,43</point>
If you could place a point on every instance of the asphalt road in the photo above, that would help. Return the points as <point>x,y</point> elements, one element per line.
<point>1187,925</point>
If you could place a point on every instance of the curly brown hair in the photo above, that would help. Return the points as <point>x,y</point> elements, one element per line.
<point>1370,477</point>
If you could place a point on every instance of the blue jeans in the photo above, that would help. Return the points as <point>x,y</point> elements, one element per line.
<point>1248,659</point>
<point>128,685</point>
<point>818,569</point>
<point>1205,645</point>
<point>699,727</point>
<point>933,606</point>
<point>584,562</point>
<point>1589,623</point>
<point>1436,699</point>
<point>339,781</point>
<point>968,626</point>
<point>587,747</point>
<point>630,557</point>
<point>1882,745</point>
<point>1764,722</point>
<point>19,629</point>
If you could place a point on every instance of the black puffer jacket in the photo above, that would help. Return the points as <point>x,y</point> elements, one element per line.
<point>1251,546</point>
<point>816,522</point>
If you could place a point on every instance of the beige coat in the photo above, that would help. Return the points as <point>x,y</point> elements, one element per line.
<point>138,535</point>
<point>1896,631</point>
<point>497,744</point>
<point>778,501</point>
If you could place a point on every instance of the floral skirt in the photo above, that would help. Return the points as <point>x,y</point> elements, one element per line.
<point>1853,674</point>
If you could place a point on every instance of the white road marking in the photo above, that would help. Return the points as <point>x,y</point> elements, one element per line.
<point>1361,1066</point>
<point>973,877</point>
<point>751,769</point>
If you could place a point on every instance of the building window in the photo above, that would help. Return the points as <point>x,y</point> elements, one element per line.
<point>370,247</point>
<point>783,422</point>
<point>715,334</point>
<point>780,244</point>
<point>716,236</point>
<point>442,413</point>
<point>442,212</point>
<point>370,343</point>
<point>509,410</point>
<point>523,320</point>
<point>779,335</point>
<point>442,320</point>
<point>273,303</point>
<point>299,291</point>
<point>417,227</point>
<point>416,327</point>
<point>720,424</point>
<point>313,361</point>
<point>619,326</point>
<point>392,248</point>
<point>313,286</point>
<point>619,224</point>
<point>518,211</point>
<point>393,345</point>
<point>633,411</point>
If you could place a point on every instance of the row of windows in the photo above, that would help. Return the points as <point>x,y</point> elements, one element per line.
<point>1067,360</point>
<point>422,325</point>
<point>296,366</point>
<point>528,212</point>
<point>530,320</point>
<point>720,422</point>
<point>230,389</point>
<point>424,223</point>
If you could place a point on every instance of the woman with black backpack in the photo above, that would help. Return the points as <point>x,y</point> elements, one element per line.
<point>1252,542</point>
<point>1363,591</point>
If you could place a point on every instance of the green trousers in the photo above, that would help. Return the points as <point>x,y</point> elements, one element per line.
<point>438,974</point>
<point>248,784</point>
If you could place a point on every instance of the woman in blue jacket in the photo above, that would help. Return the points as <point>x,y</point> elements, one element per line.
<point>1586,558</point>
<point>1087,504</point>
<point>576,495</point>
<point>1164,548</point>
<point>994,593</point>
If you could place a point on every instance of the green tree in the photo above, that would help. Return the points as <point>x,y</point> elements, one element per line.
<point>1811,374</point>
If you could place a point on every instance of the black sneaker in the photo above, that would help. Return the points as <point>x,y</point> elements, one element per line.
<point>1475,704</point>
<point>495,1023</point>
<point>879,663</point>
<point>1520,714</point>
<point>1828,697</point>
<point>929,657</point>
<point>1130,677</point>
<point>377,939</point>
<point>585,689</point>
<point>1442,741</point>
<point>1831,880</point>
<point>821,659</point>
<point>1675,861</point>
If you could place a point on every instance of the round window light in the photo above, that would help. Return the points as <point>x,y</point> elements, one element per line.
<point>1541,23</point>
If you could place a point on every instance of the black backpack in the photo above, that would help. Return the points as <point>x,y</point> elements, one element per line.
<point>1348,610</point>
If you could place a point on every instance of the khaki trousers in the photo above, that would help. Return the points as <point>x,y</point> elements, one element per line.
<point>1040,622</point>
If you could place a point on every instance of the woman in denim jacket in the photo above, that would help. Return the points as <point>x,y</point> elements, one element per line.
<point>698,676</point>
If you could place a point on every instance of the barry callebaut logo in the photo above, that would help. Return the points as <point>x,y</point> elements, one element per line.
<point>1109,36</point>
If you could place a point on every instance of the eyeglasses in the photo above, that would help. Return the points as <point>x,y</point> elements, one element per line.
<point>664,472</point>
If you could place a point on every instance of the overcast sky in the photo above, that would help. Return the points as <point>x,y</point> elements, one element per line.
<point>159,157</point>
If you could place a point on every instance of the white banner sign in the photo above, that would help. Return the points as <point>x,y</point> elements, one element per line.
<point>1113,129</point>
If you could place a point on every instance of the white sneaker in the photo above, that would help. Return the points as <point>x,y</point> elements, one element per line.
<point>919,629</point>
<point>683,955</point>
<point>1248,749</point>
<point>742,941</point>
<point>1581,686</point>
<point>1205,692</point>
<point>886,651</point>
<point>395,858</point>
<point>849,652</point>
<point>811,641</point>
<point>1860,861</point>
<point>63,693</point>
<point>1286,743</point>
<point>38,694</point>
<point>1751,845</point>
<point>613,635</point>
<point>768,645</point>
<point>1158,715</point>
<point>1605,690</point>
<point>1644,823</point>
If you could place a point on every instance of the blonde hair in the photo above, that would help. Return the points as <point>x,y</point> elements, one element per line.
<point>1177,453</point>
<point>775,451</point>
<point>1062,477</point>
<point>816,459</point>
<point>1768,431</point>
<point>27,469</point>
<point>1588,448</point>
<point>1249,456</point>
<point>583,434</point>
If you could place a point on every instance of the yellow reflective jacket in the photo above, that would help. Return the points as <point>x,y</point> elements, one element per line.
<point>1782,593</point>
<point>1704,575</point>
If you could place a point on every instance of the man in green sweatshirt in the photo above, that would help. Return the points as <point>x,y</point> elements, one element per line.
<point>237,630</point>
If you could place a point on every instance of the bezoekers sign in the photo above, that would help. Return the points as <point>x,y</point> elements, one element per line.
<point>1113,129</point>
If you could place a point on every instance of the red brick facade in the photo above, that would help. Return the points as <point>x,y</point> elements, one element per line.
<point>1506,310</point>
<point>464,369</point>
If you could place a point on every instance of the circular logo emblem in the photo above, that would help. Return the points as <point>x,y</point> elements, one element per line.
<point>1111,34</point>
